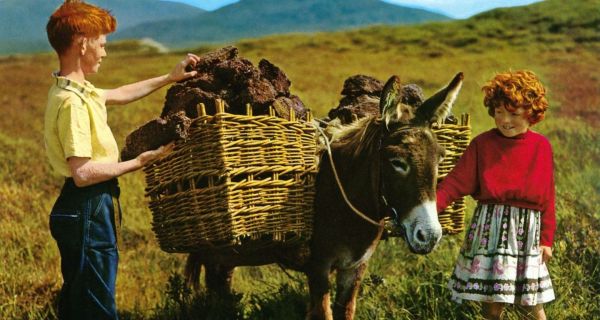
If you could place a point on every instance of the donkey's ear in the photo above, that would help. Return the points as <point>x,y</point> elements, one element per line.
<point>390,99</point>
<point>438,106</point>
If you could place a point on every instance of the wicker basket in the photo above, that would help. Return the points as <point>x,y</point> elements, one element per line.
<point>455,139</point>
<point>237,181</point>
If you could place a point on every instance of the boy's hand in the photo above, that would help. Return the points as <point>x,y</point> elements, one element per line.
<point>546,253</point>
<point>148,156</point>
<point>178,73</point>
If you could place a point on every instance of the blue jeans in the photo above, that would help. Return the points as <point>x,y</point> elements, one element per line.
<point>83,224</point>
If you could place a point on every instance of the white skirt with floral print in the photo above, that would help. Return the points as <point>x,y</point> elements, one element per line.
<point>500,260</point>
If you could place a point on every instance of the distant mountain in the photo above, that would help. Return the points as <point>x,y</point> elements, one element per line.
<point>23,22</point>
<point>255,18</point>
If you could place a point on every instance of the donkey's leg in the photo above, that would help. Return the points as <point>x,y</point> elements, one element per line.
<point>218,278</point>
<point>193,268</point>
<point>318,284</point>
<point>348,283</point>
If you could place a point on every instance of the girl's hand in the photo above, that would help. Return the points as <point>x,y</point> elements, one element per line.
<point>148,156</point>
<point>546,253</point>
<point>178,73</point>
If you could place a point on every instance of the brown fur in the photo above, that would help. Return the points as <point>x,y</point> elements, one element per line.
<point>366,156</point>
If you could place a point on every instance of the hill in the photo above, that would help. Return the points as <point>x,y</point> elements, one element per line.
<point>254,18</point>
<point>23,22</point>
<point>557,39</point>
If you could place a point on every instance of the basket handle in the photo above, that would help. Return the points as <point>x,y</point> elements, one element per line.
<point>201,109</point>
<point>220,104</point>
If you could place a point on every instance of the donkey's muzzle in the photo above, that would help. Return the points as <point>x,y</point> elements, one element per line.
<point>422,229</point>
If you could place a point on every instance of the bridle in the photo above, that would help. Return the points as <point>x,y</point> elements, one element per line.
<point>387,208</point>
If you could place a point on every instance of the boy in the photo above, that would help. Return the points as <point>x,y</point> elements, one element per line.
<point>81,147</point>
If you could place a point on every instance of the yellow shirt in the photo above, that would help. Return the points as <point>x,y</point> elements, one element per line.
<point>75,125</point>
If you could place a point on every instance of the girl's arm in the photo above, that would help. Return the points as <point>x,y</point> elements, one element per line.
<point>132,92</point>
<point>86,172</point>
<point>461,181</point>
<point>548,218</point>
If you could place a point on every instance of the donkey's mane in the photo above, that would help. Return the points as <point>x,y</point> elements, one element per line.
<point>358,137</point>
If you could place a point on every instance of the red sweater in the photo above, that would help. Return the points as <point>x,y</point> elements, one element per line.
<point>515,171</point>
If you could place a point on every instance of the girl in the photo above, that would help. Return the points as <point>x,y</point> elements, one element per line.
<point>509,171</point>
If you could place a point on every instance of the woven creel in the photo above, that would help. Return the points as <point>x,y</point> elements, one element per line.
<point>455,139</point>
<point>238,180</point>
<point>248,181</point>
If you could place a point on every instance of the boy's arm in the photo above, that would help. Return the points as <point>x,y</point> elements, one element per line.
<point>132,92</point>
<point>86,172</point>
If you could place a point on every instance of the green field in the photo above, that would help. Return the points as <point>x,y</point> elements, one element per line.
<point>559,40</point>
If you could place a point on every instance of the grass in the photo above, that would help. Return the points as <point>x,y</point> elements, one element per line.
<point>398,285</point>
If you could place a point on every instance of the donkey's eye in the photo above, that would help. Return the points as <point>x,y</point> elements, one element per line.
<point>400,165</point>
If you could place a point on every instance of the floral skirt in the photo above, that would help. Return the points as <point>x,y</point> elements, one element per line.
<point>500,260</point>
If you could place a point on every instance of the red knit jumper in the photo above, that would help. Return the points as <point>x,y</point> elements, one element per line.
<point>515,171</point>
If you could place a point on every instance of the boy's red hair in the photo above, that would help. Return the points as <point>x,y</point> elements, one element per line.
<point>513,90</point>
<point>76,17</point>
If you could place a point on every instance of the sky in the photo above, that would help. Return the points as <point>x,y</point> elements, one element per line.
<point>458,9</point>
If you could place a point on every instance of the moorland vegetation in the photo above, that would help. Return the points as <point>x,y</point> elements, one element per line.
<point>559,40</point>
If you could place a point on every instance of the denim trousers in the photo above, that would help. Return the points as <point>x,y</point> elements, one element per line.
<point>84,223</point>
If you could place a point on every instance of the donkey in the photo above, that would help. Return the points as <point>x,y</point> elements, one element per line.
<point>386,166</point>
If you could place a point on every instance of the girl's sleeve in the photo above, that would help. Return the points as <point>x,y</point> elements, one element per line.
<point>548,218</point>
<point>461,181</point>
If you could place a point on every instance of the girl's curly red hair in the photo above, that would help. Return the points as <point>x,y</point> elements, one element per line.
<point>76,17</point>
<point>518,89</point>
